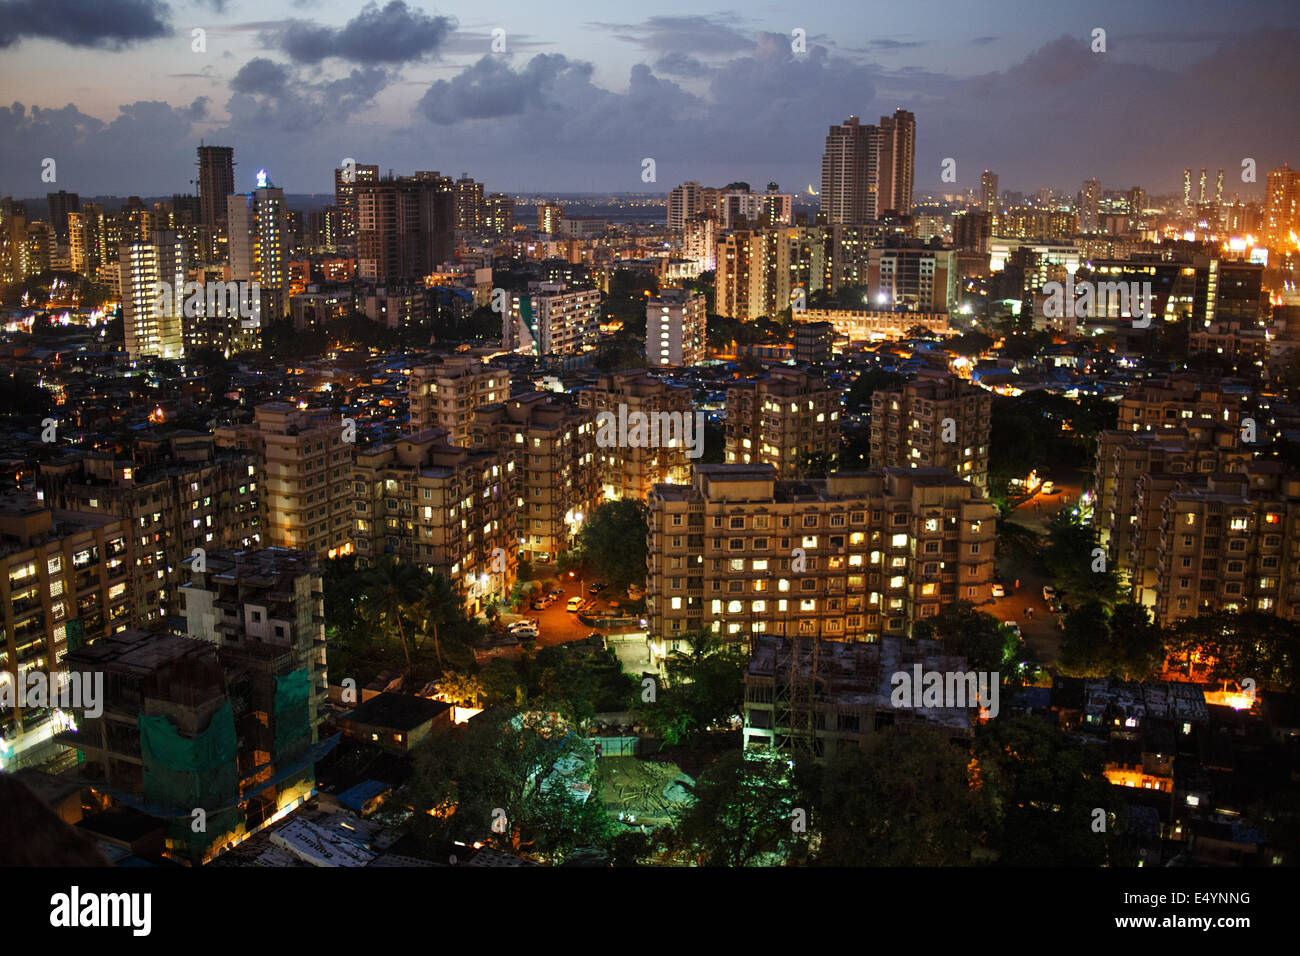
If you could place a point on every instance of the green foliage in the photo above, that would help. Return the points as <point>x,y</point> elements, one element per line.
<point>740,815</point>
<point>1043,789</point>
<point>902,800</point>
<point>975,635</point>
<point>1122,642</point>
<point>1263,647</point>
<point>613,541</point>
<point>498,762</point>
<point>706,686</point>
<point>1070,560</point>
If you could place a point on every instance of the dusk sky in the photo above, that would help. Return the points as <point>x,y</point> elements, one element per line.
<point>112,90</point>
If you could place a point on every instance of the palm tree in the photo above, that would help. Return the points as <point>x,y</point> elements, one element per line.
<point>394,586</point>
<point>437,605</point>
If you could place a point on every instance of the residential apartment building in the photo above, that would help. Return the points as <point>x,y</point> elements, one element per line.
<point>551,319</point>
<point>933,421</point>
<point>304,467</point>
<point>555,480</point>
<point>675,328</point>
<point>917,277</point>
<point>1179,401</point>
<point>153,278</point>
<point>788,418</point>
<point>446,392</point>
<point>1229,542</point>
<point>855,556</point>
<point>174,492</point>
<point>450,510</point>
<point>631,472</point>
<point>65,579</point>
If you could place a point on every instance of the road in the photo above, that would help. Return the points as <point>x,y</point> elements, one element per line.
<point>556,625</point>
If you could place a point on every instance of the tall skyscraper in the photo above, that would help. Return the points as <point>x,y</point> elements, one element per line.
<point>1090,206</point>
<point>499,214</point>
<point>1187,189</point>
<point>153,293</point>
<point>549,217</point>
<point>345,197</point>
<point>1282,203</point>
<point>469,205</point>
<point>61,203</point>
<point>216,182</point>
<point>404,226</point>
<point>259,245</point>
<point>684,202</point>
<point>989,193</point>
<point>848,193</point>
<point>896,162</point>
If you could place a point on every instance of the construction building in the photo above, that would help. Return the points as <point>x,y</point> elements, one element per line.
<point>854,556</point>
<point>445,393</point>
<point>809,696</point>
<point>555,481</point>
<point>934,421</point>
<point>789,419</point>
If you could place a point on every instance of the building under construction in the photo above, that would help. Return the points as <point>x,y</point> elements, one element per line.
<point>809,696</point>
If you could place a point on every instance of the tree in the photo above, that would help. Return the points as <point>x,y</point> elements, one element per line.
<point>519,771</point>
<point>1251,644</point>
<point>903,799</point>
<point>740,814</point>
<point>705,687</point>
<point>1044,789</point>
<point>393,588</point>
<point>613,540</point>
<point>1076,570</point>
<point>975,635</point>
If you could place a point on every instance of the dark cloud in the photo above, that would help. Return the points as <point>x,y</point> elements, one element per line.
<point>887,44</point>
<point>490,88</point>
<point>106,24</point>
<point>702,35</point>
<point>394,33</point>
<point>260,75</point>
<point>679,64</point>
<point>983,41</point>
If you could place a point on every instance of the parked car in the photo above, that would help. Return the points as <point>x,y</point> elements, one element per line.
<point>596,588</point>
<point>1048,488</point>
<point>575,604</point>
<point>1049,593</point>
<point>999,591</point>
<point>1014,625</point>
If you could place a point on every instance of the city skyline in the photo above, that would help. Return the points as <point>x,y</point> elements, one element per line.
<point>712,97</point>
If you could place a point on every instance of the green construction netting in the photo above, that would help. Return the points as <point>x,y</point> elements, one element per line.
<point>183,773</point>
<point>292,714</point>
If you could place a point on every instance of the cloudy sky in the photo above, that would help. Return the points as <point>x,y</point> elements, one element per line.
<point>117,93</point>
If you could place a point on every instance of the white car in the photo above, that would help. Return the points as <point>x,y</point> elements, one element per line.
<point>1013,625</point>
<point>999,591</point>
<point>1048,488</point>
<point>1049,594</point>
<point>575,603</point>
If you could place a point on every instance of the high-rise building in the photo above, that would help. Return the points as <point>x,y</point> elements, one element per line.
<point>303,471</point>
<point>933,421</point>
<point>61,203</point>
<point>445,394</point>
<point>630,471</point>
<point>989,193</point>
<point>675,328</point>
<point>895,148</point>
<point>404,226</point>
<point>176,492</point>
<point>551,319</point>
<point>684,203</point>
<point>86,239</point>
<point>972,229</point>
<point>469,206</point>
<point>444,508</point>
<point>700,242</point>
<point>789,419</point>
<point>913,276</point>
<point>549,217</point>
<point>555,477</point>
<point>855,556</point>
<point>216,182</point>
<point>345,199</point>
<point>258,229</point>
<point>64,580</point>
<point>1090,205</point>
<point>153,276</point>
<point>848,193</point>
<point>1282,204</point>
<point>500,214</point>
<point>739,282</point>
